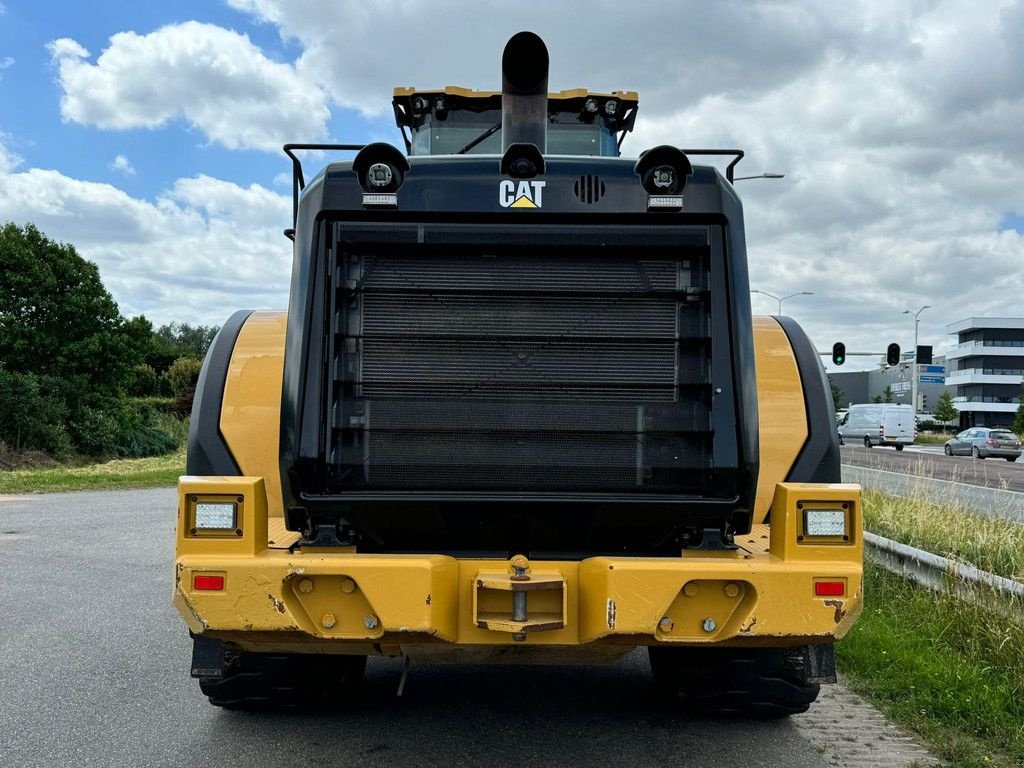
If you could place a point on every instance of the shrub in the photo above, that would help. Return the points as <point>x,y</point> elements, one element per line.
<point>183,375</point>
<point>31,415</point>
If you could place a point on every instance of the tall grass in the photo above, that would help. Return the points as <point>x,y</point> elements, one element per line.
<point>950,530</point>
<point>948,669</point>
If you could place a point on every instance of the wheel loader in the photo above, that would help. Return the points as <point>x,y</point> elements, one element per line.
<point>517,410</point>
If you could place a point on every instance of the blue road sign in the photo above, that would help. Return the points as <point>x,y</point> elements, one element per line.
<point>932,369</point>
<point>933,379</point>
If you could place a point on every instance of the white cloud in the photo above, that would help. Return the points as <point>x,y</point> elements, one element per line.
<point>121,164</point>
<point>6,62</point>
<point>201,250</point>
<point>214,78</point>
<point>898,127</point>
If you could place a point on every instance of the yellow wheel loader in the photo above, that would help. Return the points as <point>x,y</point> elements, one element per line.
<point>517,410</point>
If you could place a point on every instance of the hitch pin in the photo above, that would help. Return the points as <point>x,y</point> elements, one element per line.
<point>519,597</point>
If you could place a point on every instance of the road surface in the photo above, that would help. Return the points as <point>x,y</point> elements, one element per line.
<point>94,672</point>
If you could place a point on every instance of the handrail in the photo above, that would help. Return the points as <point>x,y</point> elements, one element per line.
<point>737,153</point>
<point>298,180</point>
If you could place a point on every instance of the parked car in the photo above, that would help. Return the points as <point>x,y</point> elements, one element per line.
<point>982,442</point>
<point>878,424</point>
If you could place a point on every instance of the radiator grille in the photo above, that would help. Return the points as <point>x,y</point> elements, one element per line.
<point>464,367</point>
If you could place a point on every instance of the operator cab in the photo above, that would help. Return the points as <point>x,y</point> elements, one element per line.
<point>461,121</point>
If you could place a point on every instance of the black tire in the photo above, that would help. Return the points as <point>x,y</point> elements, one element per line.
<point>976,453</point>
<point>867,441</point>
<point>254,681</point>
<point>1012,459</point>
<point>734,682</point>
<point>899,447</point>
<point>948,450</point>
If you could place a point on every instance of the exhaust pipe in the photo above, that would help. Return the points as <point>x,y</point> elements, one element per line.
<point>524,92</point>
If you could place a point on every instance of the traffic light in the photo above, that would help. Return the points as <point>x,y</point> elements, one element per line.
<point>892,354</point>
<point>838,353</point>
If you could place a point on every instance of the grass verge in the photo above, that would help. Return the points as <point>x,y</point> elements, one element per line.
<point>932,438</point>
<point>945,669</point>
<point>121,473</point>
<point>949,530</point>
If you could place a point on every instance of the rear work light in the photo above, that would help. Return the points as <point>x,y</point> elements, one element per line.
<point>829,588</point>
<point>825,522</point>
<point>212,583</point>
<point>216,515</point>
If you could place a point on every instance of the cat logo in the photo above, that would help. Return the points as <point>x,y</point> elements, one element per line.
<point>524,194</point>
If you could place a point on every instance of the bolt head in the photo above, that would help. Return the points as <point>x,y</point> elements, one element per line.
<point>329,620</point>
<point>305,586</point>
<point>732,590</point>
<point>709,625</point>
<point>371,622</point>
<point>348,586</point>
<point>666,624</point>
<point>690,590</point>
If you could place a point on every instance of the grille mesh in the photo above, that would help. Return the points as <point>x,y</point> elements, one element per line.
<point>462,368</point>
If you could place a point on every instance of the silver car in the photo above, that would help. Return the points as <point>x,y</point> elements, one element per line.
<point>982,442</point>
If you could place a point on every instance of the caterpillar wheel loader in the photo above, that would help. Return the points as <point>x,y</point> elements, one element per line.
<point>517,410</point>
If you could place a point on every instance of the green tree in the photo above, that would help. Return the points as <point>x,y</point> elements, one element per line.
<point>885,397</point>
<point>945,411</point>
<point>65,347</point>
<point>1018,421</point>
<point>837,394</point>
<point>176,340</point>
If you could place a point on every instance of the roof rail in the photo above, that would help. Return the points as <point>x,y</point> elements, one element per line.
<point>736,153</point>
<point>299,181</point>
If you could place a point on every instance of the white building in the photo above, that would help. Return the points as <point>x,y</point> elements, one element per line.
<point>986,368</point>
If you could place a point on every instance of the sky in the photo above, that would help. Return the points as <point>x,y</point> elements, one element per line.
<point>148,135</point>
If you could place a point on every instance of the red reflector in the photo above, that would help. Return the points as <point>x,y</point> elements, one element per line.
<point>829,588</point>
<point>208,582</point>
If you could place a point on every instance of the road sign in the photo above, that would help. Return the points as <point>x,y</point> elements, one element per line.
<point>932,369</point>
<point>933,379</point>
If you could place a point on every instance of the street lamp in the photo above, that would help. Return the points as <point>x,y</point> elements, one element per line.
<point>915,375</point>
<point>761,176</point>
<point>781,299</point>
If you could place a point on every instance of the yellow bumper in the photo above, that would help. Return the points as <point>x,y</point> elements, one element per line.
<point>763,593</point>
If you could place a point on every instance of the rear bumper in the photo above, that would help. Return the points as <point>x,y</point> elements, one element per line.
<point>1002,453</point>
<point>342,601</point>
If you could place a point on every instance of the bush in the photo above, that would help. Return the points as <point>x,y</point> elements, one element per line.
<point>183,375</point>
<point>31,415</point>
<point>155,403</point>
<point>121,428</point>
<point>143,381</point>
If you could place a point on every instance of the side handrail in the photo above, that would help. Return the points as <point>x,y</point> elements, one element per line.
<point>299,180</point>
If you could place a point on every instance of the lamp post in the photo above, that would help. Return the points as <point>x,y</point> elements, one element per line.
<point>761,176</point>
<point>781,299</point>
<point>914,376</point>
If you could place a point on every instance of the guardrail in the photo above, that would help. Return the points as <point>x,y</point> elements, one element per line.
<point>935,572</point>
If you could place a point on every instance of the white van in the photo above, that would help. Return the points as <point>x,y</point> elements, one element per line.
<point>878,424</point>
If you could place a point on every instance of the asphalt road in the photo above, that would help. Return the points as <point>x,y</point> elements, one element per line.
<point>94,671</point>
<point>929,461</point>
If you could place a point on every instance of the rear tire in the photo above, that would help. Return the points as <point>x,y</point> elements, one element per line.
<point>739,682</point>
<point>1012,459</point>
<point>948,450</point>
<point>976,453</point>
<point>867,441</point>
<point>259,681</point>
<point>899,447</point>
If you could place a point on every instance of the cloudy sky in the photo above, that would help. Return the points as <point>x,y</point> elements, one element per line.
<point>148,134</point>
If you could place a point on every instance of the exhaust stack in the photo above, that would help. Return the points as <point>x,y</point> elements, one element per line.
<point>524,92</point>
